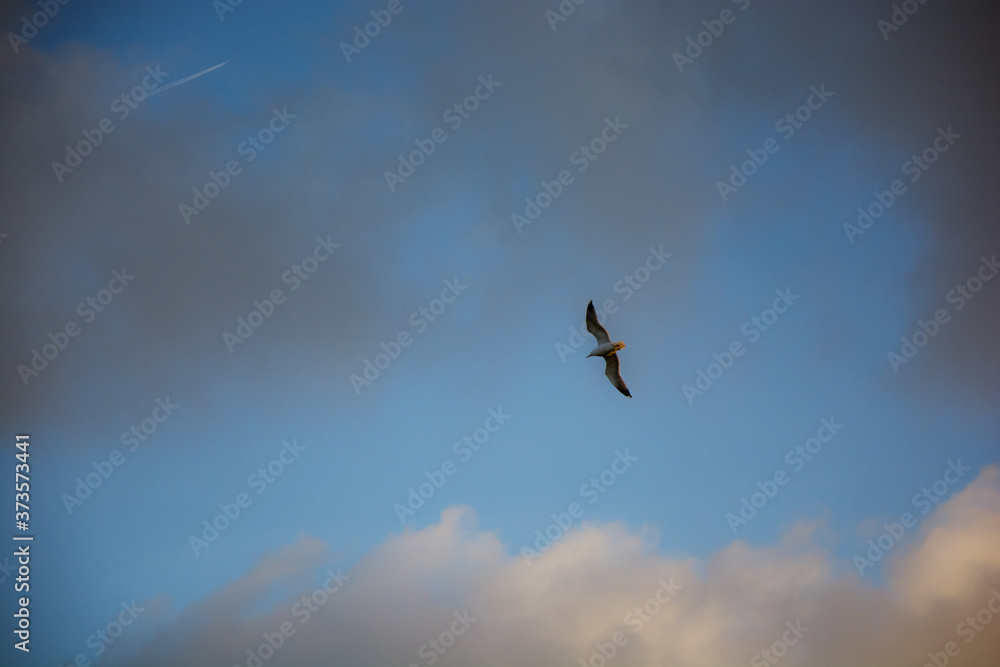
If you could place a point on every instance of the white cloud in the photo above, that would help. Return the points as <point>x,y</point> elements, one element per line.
<point>582,590</point>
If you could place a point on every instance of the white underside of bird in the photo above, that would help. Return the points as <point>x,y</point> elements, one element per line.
<point>605,348</point>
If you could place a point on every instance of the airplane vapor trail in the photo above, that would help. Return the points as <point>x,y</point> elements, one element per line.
<point>185,79</point>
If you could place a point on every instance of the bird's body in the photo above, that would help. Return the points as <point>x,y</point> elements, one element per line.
<point>605,348</point>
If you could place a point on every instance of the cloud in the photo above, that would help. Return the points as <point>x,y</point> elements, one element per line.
<point>654,185</point>
<point>793,597</point>
<point>961,546</point>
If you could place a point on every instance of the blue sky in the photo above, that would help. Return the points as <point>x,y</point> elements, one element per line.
<point>356,451</point>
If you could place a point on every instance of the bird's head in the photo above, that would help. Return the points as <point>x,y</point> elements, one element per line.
<point>620,345</point>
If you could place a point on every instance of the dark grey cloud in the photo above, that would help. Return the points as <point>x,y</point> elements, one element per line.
<point>654,185</point>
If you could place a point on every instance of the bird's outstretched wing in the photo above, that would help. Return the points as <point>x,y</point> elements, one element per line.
<point>600,333</point>
<point>611,369</point>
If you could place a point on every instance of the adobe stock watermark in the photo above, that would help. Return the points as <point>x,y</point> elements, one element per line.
<point>264,308</point>
<point>563,11</point>
<point>302,610</point>
<point>372,29</point>
<point>968,629</point>
<point>454,116</point>
<point>629,284</point>
<point>898,17</point>
<point>581,158</point>
<point>464,449</point>
<point>122,106</point>
<point>787,125</point>
<point>223,7</point>
<point>915,167</point>
<point>259,480</point>
<point>774,653</point>
<point>752,329</point>
<point>6,570</point>
<point>30,25</point>
<point>87,310</point>
<point>435,647</point>
<point>592,490</point>
<point>636,620</point>
<point>697,43</point>
<point>924,500</point>
<point>104,637</point>
<point>796,458</point>
<point>959,296</point>
<point>131,439</point>
<point>250,148</point>
<point>420,320</point>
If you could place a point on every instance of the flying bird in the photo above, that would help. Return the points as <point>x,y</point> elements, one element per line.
<point>605,348</point>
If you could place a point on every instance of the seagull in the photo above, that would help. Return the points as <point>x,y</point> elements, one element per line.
<point>605,348</point>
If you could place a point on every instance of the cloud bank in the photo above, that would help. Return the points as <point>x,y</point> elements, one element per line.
<point>603,594</point>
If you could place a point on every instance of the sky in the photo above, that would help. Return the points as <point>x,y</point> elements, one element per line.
<point>296,343</point>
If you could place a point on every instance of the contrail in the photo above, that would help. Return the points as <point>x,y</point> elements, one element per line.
<point>184,80</point>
